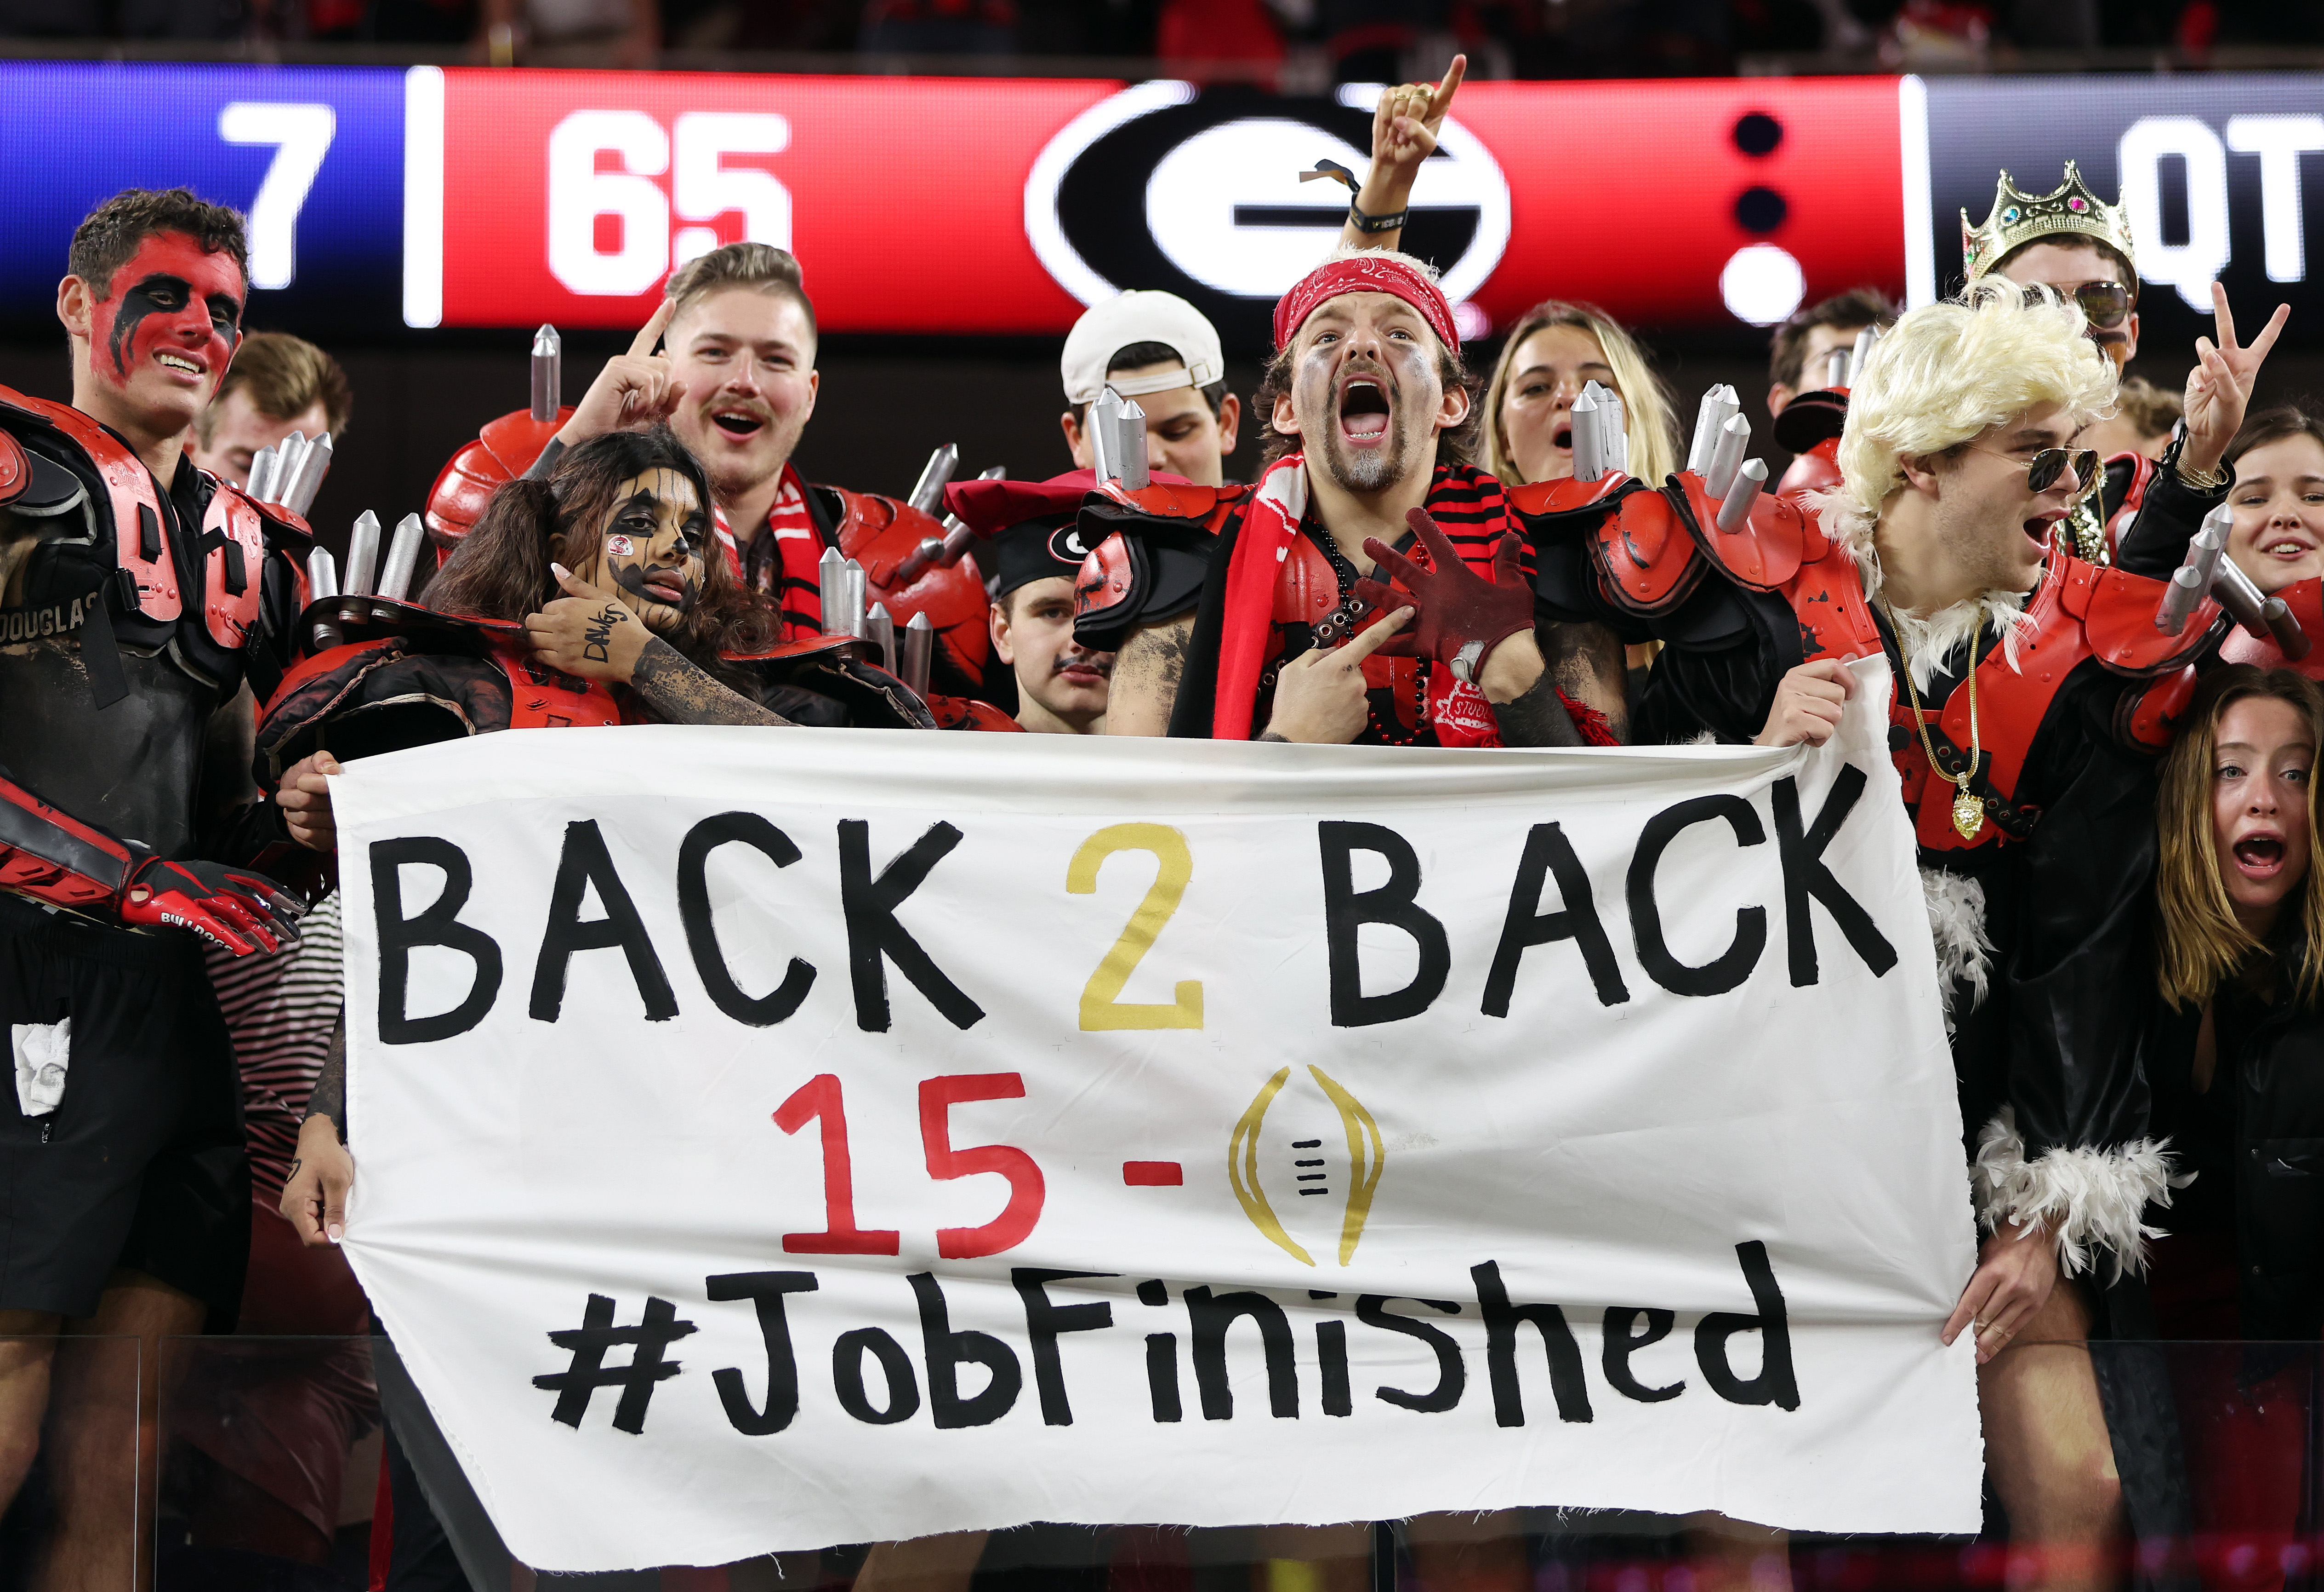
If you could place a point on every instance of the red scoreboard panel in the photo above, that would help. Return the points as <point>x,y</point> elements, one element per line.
<point>982,206</point>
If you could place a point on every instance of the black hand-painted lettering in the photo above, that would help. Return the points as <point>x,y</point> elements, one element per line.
<point>575,1385</point>
<point>586,863</point>
<point>1332,1368</point>
<point>1211,1315</point>
<point>1502,1320</point>
<point>1805,876</point>
<point>847,1354</point>
<point>1624,1339</point>
<point>1733,965</point>
<point>1394,903</point>
<point>875,937</point>
<point>438,925</point>
<point>747,828</point>
<point>1044,1321</point>
<point>1162,1377</point>
<point>597,638</point>
<point>1548,852</point>
<point>947,1351</point>
<point>1776,1383</point>
<point>766,1291</point>
<point>1451,1371</point>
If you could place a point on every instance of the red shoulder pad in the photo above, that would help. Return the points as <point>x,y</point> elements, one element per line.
<point>235,571</point>
<point>2141,477</point>
<point>966,713</point>
<point>2117,609</point>
<point>1538,499</point>
<point>806,646</point>
<point>504,450</point>
<point>1106,579</point>
<point>1207,507</point>
<point>16,469</point>
<point>2148,718</point>
<point>1644,556</point>
<point>2305,598</point>
<point>1816,470</point>
<point>879,534</point>
<point>139,546</point>
<point>549,699</point>
<point>1765,552</point>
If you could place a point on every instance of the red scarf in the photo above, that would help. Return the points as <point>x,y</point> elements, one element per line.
<point>790,576</point>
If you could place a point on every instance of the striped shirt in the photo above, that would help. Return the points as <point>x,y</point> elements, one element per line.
<point>281,1010</point>
<point>785,563</point>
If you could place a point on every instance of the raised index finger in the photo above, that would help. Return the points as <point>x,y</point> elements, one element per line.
<point>650,333</point>
<point>1441,100</point>
<point>1371,639</point>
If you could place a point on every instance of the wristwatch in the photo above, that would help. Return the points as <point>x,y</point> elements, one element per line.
<point>1465,661</point>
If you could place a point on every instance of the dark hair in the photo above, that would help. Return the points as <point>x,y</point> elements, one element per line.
<point>285,377</point>
<point>500,569</point>
<point>762,266</point>
<point>1455,444</point>
<point>109,235</point>
<point>1138,355</point>
<point>1857,307</point>
<point>2273,425</point>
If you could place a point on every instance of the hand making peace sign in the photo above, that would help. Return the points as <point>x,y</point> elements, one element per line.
<point>2219,387</point>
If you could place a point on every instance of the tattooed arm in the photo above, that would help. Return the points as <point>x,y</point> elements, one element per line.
<point>680,693</point>
<point>1146,676</point>
<point>314,1194</point>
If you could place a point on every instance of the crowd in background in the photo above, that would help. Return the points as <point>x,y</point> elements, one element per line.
<point>1273,40</point>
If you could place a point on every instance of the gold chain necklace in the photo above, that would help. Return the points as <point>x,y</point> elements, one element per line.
<point>1968,813</point>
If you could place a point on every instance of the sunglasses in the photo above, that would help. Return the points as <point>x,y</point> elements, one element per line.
<point>2047,466</point>
<point>2105,305</point>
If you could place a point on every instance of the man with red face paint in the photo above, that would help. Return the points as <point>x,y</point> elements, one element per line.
<point>136,596</point>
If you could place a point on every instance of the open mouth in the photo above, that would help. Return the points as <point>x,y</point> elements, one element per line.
<point>2259,857</point>
<point>2288,550</point>
<point>738,423</point>
<point>2037,529</point>
<point>1363,411</point>
<point>1563,439</point>
<point>168,361</point>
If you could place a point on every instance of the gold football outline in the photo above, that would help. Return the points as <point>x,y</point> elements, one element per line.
<point>1367,1154</point>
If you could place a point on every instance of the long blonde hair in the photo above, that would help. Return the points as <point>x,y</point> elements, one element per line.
<point>1645,402</point>
<point>2200,946</point>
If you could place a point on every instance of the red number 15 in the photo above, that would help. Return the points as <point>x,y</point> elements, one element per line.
<point>820,1096</point>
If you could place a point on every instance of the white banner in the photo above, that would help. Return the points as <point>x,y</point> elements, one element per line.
<point>773,1139</point>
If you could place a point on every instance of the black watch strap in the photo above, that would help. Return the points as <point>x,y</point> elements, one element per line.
<point>1363,223</point>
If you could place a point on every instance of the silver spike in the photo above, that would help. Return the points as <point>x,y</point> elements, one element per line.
<point>1586,445</point>
<point>928,492</point>
<point>1727,458</point>
<point>1720,405</point>
<point>1105,430</point>
<point>261,474</point>
<point>830,582</point>
<point>1130,428</point>
<point>1735,508</point>
<point>322,576</point>
<point>881,626</point>
<point>918,652</point>
<point>362,555</point>
<point>548,372</point>
<point>299,495</point>
<point>1865,342</point>
<point>858,622</point>
<point>402,558</point>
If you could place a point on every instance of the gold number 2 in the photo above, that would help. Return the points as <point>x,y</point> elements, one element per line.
<point>1101,1007</point>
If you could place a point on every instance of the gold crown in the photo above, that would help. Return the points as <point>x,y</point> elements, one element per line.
<point>2018,219</point>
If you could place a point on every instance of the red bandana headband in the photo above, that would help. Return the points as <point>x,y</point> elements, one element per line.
<point>1370,272</point>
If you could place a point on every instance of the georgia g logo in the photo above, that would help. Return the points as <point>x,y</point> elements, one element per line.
<point>1067,546</point>
<point>1163,187</point>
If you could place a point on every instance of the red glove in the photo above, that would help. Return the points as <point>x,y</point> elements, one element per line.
<point>1455,604</point>
<point>232,908</point>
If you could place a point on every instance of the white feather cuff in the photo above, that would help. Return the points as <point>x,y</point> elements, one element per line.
<point>1963,947</point>
<point>2085,1200</point>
